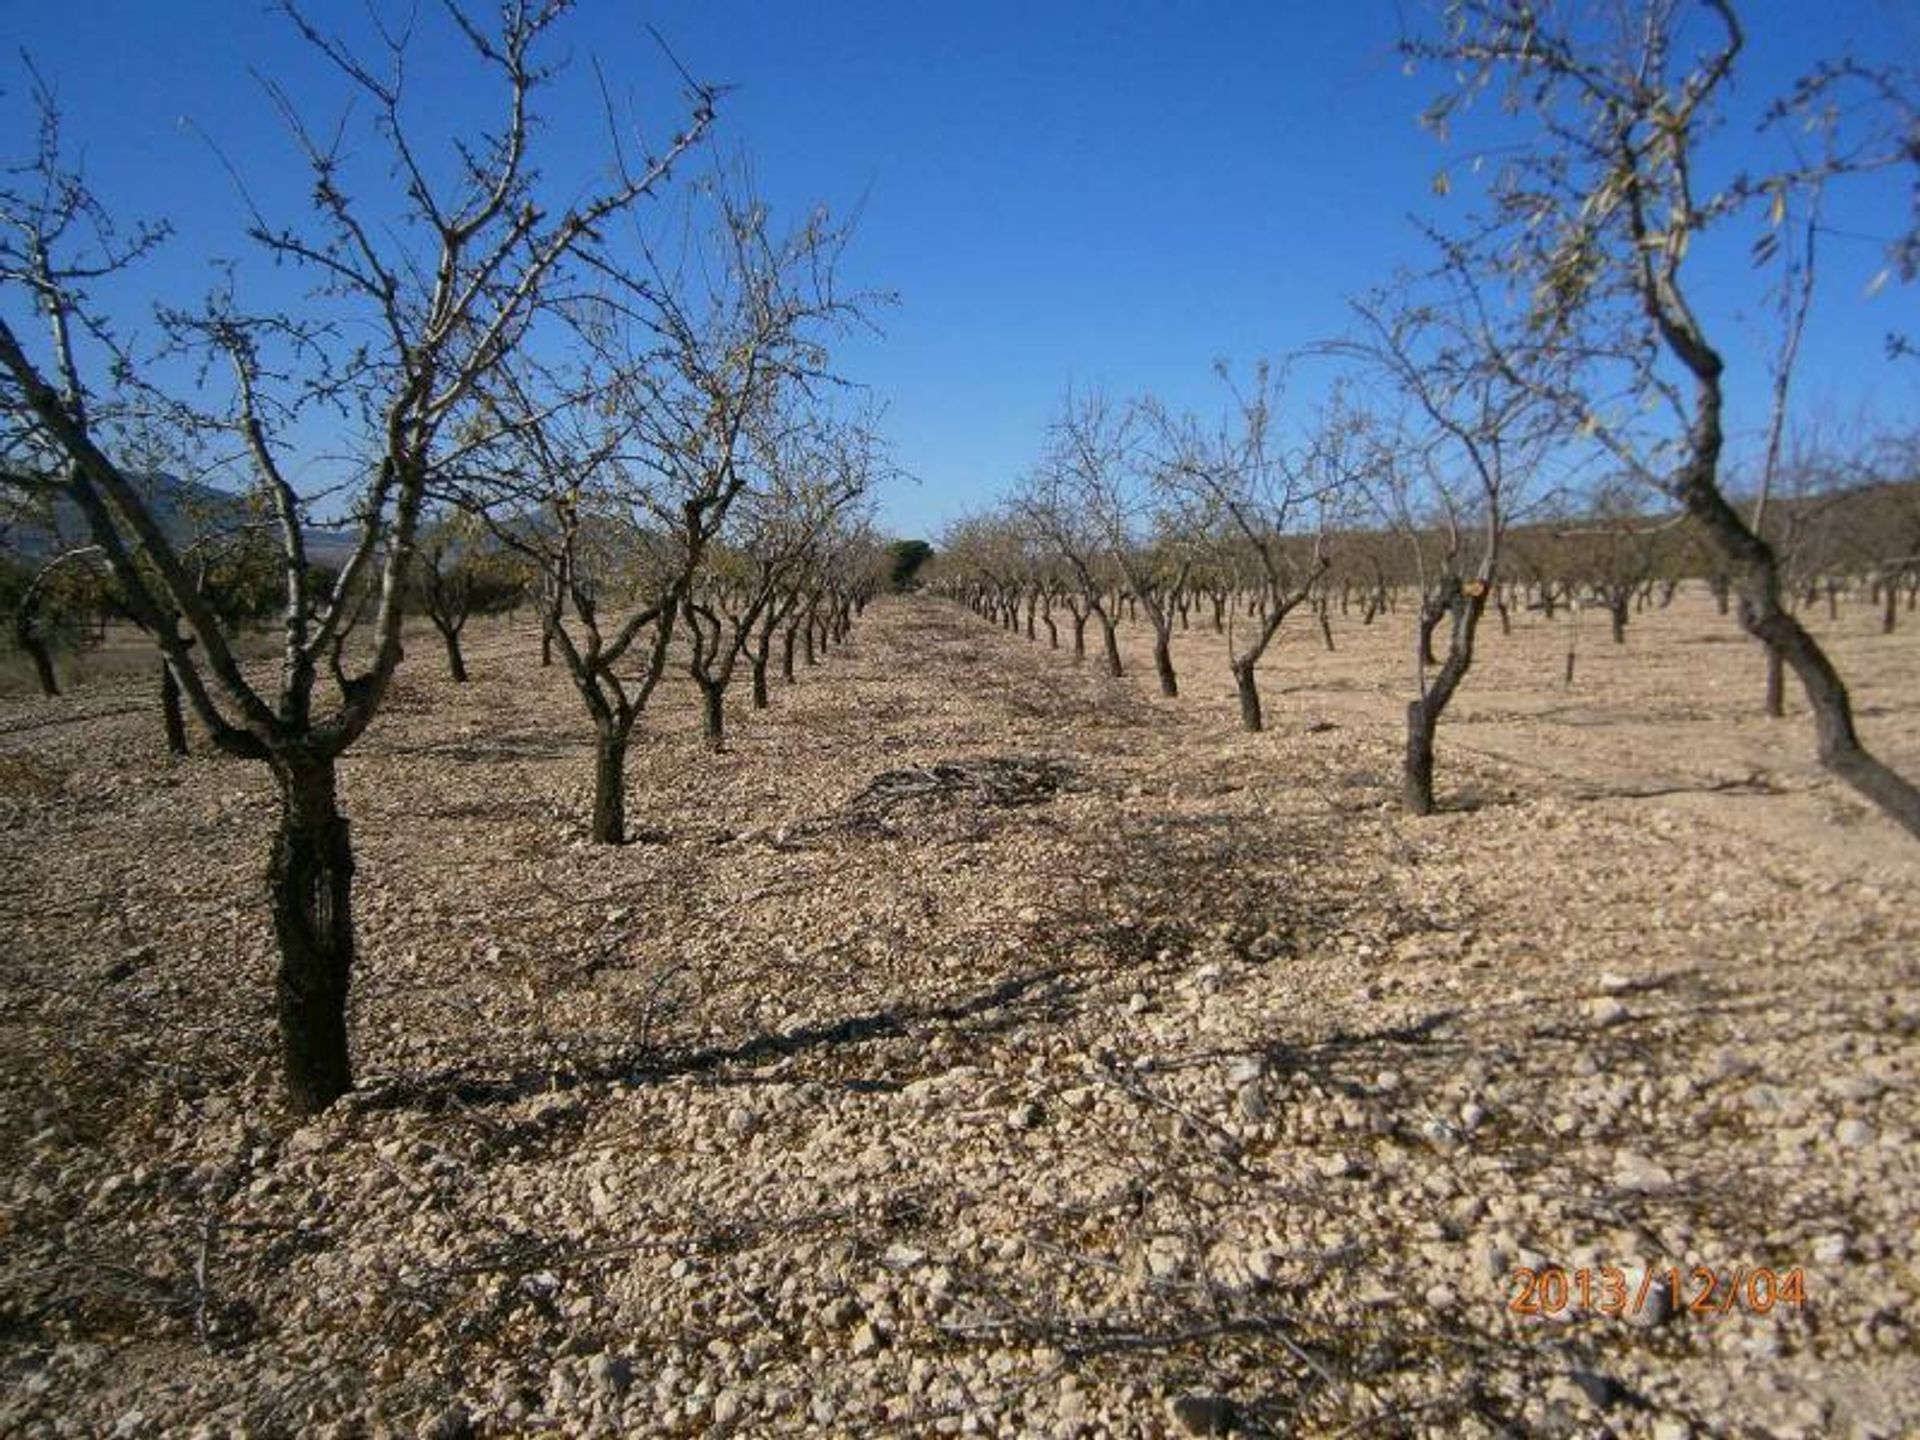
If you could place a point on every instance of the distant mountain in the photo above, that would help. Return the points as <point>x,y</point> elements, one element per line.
<point>186,511</point>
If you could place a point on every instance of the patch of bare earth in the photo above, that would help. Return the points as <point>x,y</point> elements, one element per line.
<point>983,1046</point>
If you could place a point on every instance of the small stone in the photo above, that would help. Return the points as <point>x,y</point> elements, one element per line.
<point>1025,1116</point>
<point>1853,1134</point>
<point>610,1374</point>
<point>1640,1174</point>
<point>1335,1166</point>
<point>726,1408</point>
<point>1614,983</point>
<point>866,1341</point>
<point>452,1423</point>
<point>741,1122</point>
<point>1201,1414</point>
<point>1606,1011</point>
<point>1830,1249</point>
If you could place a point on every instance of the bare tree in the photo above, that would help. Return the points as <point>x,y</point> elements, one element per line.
<point>1472,449</point>
<point>1241,485</point>
<point>614,476</point>
<point>812,473</point>
<point>461,572</point>
<point>1595,219</point>
<point>425,284</point>
<point>1098,465</point>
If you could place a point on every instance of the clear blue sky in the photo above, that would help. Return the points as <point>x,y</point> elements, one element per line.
<point>1109,195</point>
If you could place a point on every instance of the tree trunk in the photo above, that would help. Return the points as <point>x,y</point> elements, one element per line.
<point>1889,611</point>
<point>807,634</point>
<point>42,659</point>
<point>1430,617</point>
<point>1764,617</point>
<point>787,643</point>
<point>759,662</point>
<point>1326,625</point>
<point>610,788</point>
<point>172,720</point>
<point>546,647</point>
<point>1243,681</point>
<point>456,662</point>
<point>713,714</point>
<point>1617,616</point>
<point>1113,646</point>
<point>1079,637</point>
<point>311,884</point>
<point>1423,714</point>
<point>1163,662</point>
<point>1776,686</point>
<point>1417,776</point>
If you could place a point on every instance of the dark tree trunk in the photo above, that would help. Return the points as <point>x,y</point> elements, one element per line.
<point>1617,617</point>
<point>759,663</point>
<point>1219,614</point>
<point>1776,686</point>
<point>807,635</point>
<point>1889,608</point>
<point>1764,617</point>
<point>1079,637</point>
<point>787,644</point>
<point>610,787</point>
<point>1163,662</point>
<point>1113,646</point>
<point>1326,625</point>
<point>311,884</point>
<point>1243,681</point>
<point>456,662</point>
<point>713,714</point>
<point>1431,614</point>
<point>1505,613</point>
<point>546,648</point>
<point>42,659</point>
<point>172,720</point>
<point>1423,715</point>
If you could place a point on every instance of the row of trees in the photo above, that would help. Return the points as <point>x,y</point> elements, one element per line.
<point>1557,337</point>
<point>608,395</point>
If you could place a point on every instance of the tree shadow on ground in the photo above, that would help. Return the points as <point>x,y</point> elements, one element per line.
<point>1042,994</point>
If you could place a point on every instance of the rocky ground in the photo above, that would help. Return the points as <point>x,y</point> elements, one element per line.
<point>985,1046</point>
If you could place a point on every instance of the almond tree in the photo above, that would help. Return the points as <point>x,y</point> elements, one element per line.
<point>1596,219</point>
<point>460,574</point>
<point>1097,459</point>
<point>428,275</point>
<point>1471,446</point>
<point>1240,484</point>
<point>811,476</point>
<point>614,476</point>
